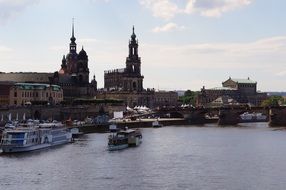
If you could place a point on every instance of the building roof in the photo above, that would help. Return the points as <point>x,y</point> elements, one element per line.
<point>26,77</point>
<point>222,88</point>
<point>243,81</point>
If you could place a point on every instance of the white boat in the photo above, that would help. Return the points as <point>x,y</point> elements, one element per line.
<point>22,139</point>
<point>156,124</point>
<point>124,138</point>
<point>253,117</point>
<point>246,116</point>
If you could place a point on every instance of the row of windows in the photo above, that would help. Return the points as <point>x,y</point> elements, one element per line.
<point>37,94</point>
<point>247,85</point>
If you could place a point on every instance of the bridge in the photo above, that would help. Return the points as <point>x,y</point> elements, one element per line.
<point>230,115</point>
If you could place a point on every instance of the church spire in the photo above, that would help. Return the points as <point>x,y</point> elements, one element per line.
<point>133,36</point>
<point>133,45</point>
<point>73,39</point>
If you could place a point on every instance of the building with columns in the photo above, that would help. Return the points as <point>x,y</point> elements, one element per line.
<point>243,91</point>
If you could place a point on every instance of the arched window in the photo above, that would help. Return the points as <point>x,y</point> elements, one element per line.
<point>134,86</point>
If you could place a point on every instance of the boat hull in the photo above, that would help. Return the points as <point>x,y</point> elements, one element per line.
<point>13,149</point>
<point>117,147</point>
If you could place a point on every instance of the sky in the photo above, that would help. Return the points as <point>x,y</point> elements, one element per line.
<point>183,44</point>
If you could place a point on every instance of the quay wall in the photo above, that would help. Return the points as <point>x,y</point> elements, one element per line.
<point>59,112</point>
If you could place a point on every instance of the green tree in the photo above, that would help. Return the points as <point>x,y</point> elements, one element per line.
<point>273,101</point>
<point>189,97</point>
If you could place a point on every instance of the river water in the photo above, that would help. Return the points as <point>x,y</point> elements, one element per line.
<point>251,156</point>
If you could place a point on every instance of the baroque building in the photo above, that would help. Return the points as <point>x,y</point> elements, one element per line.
<point>243,91</point>
<point>73,76</point>
<point>128,78</point>
<point>127,83</point>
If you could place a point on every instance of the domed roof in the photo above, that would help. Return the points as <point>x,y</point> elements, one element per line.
<point>82,55</point>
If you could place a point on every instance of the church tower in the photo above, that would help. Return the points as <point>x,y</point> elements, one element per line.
<point>133,61</point>
<point>133,80</point>
<point>71,57</point>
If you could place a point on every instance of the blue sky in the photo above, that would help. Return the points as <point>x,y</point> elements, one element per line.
<point>183,44</point>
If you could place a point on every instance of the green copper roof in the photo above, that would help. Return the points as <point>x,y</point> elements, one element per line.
<point>244,81</point>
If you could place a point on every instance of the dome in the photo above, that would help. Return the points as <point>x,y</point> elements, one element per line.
<point>82,55</point>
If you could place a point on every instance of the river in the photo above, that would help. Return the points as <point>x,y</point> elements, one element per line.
<point>250,156</point>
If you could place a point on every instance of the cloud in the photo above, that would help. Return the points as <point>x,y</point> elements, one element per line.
<point>197,64</point>
<point>167,9</point>
<point>168,27</point>
<point>11,8</point>
<point>214,8</point>
<point>161,8</point>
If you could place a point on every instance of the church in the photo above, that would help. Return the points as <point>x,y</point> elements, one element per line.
<point>128,78</point>
<point>73,75</point>
<point>127,83</point>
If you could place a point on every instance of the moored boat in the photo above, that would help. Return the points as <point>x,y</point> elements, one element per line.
<point>22,139</point>
<point>124,138</point>
<point>156,124</point>
<point>253,117</point>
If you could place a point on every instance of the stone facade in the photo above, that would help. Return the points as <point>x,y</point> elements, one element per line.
<point>128,78</point>
<point>149,98</point>
<point>32,93</point>
<point>241,90</point>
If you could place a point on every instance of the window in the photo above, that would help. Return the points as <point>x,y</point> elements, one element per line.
<point>15,94</point>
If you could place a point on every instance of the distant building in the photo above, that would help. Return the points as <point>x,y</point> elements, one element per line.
<point>16,94</point>
<point>33,93</point>
<point>128,78</point>
<point>127,83</point>
<point>73,75</point>
<point>240,90</point>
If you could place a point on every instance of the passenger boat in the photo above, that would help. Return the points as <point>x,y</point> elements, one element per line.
<point>22,139</point>
<point>124,138</point>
